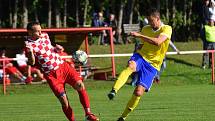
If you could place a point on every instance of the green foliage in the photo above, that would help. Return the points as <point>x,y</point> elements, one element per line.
<point>35,3</point>
<point>89,11</point>
<point>177,21</point>
<point>71,19</point>
<point>193,9</point>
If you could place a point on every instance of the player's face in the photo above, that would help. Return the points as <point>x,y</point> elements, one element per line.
<point>36,31</point>
<point>112,17</point>
<point>154,21</point>
<point>206,2</point>
<point>2,53</point>
<point>211,23</point>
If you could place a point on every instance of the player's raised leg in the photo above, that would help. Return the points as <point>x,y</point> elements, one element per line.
<point>122,79</point>
<point>66,107</point>
<point>84,99</point>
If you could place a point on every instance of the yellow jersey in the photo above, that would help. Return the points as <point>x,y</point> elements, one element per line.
<point>152,53</point>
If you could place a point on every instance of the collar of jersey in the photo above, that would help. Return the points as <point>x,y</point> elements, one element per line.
<point>158,28</point>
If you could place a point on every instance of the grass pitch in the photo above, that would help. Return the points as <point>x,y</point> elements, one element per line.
<point>184,94</point>
<point>162,103</point>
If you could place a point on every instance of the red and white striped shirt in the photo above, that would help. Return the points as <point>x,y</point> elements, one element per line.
<point>46,58</point>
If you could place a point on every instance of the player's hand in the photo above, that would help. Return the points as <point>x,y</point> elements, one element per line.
<point>28,47</point>
<point>136,34</point>
<point>9,65</point>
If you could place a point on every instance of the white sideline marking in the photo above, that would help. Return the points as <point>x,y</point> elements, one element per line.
<point>126,54</point>
<point>130,54</point>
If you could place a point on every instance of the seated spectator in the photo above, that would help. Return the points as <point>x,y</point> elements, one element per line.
<point>12,70</point>
<point>98,21</point>
<point>27,69</point>
<point>111,22</point>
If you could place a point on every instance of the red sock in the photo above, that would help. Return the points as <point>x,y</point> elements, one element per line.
<point>84,99</point>
<point>69,113</point>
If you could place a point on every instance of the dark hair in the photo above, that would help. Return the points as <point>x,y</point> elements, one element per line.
<point>29,26</point>
<point>2,50</point>
<point>153,12</point>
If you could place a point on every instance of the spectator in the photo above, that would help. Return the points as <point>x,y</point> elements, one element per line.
<point>208,11</point>
<point>208,37</point>
<point>27,69</point>
<point>211,10</point>
<point>205,18</point>
<point>208,17</point>
<point>205,11</point>
<point>98,21</point>
<point>111,22</point>
<point>57,72</point>
<point>12,70</point>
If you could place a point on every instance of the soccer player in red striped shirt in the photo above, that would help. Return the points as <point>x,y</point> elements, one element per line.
<point>56,71</point>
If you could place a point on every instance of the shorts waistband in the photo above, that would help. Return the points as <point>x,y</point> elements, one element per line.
<point>55,68</point>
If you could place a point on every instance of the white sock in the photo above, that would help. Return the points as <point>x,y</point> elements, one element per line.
<point>23,78</point>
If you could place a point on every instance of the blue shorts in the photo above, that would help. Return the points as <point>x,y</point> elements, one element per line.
<point>146,72</point>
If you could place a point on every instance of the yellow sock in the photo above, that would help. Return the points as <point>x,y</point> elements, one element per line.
<point>122,79</point>
<point>133,102</point>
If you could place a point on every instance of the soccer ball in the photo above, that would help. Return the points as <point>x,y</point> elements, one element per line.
<point>80,56</point>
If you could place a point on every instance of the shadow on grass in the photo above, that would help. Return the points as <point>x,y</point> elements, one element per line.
<point>186,75</point>
<point>182,62</point>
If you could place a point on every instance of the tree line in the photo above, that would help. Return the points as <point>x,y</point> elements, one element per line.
<point>183,15</point>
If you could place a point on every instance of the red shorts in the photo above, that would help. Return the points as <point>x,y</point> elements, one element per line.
<point>58,78</point>
<point>24,69</point>
<point>11,70</point>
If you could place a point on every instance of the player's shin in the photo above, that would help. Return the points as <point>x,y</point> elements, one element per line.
<point>133,102</point>
<point>69,113</point>
<point>122,79</point>
<point>84,99</point>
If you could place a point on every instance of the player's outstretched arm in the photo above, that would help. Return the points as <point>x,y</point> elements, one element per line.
<point>156,41</point>
<point>30,55</point>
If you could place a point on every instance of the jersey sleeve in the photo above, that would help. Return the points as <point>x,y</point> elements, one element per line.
<point>167,31</point>
<point>25,49</point>
<point>144,29</point>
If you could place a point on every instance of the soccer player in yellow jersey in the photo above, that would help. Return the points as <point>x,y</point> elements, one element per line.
<point>155,39</point>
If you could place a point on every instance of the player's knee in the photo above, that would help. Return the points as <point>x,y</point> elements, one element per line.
<point>138,92</point>
<point>64,101</point>
<point>79,86</point>
<point>132,65</point>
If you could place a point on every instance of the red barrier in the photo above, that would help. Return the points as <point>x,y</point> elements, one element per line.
<point>212,66</point>
<point>4,77</point>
